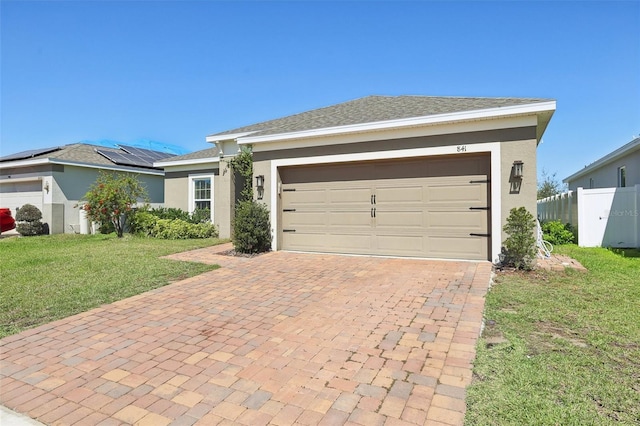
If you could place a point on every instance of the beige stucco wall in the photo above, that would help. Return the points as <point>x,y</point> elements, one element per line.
<point>224,202</point>
<point>176,193</point>
<point>607,175</point>
<point>511,151</point>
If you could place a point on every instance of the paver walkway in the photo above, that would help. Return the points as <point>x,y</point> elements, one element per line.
<point>282,338</point>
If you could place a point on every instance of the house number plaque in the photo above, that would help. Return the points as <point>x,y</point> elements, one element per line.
<point>462,148</point>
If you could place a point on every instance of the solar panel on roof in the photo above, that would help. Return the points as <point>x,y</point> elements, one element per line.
<point>124,158</point>
<point>23,155</point>
<point>146,154</point>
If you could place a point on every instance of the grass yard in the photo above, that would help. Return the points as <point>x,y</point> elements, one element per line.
<point>51,277</point>
<point>561,348</point>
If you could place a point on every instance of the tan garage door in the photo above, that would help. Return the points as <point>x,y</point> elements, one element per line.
<point>428,207</point>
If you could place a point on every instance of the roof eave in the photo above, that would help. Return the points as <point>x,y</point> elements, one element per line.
<point>40,161</point>
<point>543,109</point>
<point>193,161</point>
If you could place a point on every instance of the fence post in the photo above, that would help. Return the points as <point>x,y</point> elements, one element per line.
<point>582,228</point>
<point>637,214</point>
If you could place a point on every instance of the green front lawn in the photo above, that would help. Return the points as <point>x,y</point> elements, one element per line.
<point>51,277</point>
<point>561,348</point>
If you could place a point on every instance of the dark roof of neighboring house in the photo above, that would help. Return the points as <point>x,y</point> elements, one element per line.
<point>202,154</point>
<point>372,109</point>
<point>86,154</point>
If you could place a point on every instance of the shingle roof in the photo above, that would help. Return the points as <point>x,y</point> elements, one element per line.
<point>76,152</point>
<point>372,109</point>
<point>202,154</point>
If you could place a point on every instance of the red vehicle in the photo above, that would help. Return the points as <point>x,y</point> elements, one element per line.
<point>7,223</point>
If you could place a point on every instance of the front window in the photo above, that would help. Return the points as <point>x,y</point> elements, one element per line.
<point>622,177</point>
<point>202,193</point>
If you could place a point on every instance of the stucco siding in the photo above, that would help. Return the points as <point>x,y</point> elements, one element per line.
<point>607,175</point>
<point>525,194</point>
<point>176,193</point>
<point>70,186</point>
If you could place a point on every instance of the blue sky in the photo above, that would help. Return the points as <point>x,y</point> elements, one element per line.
<point>175,71</point>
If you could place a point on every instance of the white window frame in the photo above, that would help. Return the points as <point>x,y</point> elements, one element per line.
<point>192,190</point>
<point>622,176</point>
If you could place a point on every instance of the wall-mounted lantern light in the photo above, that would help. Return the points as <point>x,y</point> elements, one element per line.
<point>46,186</point>
<point>260,186</point>
<point>518,169</point>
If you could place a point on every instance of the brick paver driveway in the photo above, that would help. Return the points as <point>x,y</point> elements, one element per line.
<point>281,338</point>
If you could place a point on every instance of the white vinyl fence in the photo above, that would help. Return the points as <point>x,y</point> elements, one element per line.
<point>604,217</point>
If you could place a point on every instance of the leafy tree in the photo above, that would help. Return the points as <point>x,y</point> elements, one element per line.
<point>520,246</point>
<point>549,185</point>
<point>111,197</point>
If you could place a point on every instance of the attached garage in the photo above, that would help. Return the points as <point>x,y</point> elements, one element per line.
<point>425,207</point>
<point>413,176</point>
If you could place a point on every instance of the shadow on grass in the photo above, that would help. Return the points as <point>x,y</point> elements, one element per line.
<point>628,252</point>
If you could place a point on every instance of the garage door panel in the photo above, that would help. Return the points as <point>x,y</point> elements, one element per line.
<point>457,193</point>
<point>349,219</point>
<point>405,219</point>
<point>304,219</point>
<point>350,196</point>
<point>471,221</point>
<point>397,194</point>
<point>453,247</point>
<point>332,243</point>
<point>304,197</point>
<point>401,245</point>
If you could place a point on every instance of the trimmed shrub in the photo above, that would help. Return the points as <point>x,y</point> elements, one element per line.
<point>146,224</point>
<point>557,233</point>
<point>169,213</point>
<point>28,221</point>
<point>520,246</point>
<point>28,213</point>
<point>251,228</point>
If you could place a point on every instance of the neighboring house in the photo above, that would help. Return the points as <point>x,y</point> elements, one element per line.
<point>620,168</point>
<point>603,200</point>
<point>410,176</point>
<point>55,179</point>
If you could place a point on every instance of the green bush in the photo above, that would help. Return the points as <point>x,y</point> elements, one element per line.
<point>557,233</point>
<point>142,223</point>
<point>251,228</point>
<point>28,221</point>
<point>169,213</point>
<point>520,246</point>
<point>200,216</point>
<point>147,224</point>
<point>28,213</point>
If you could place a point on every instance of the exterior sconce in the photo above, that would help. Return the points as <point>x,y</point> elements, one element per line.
<point>46,186</point>
<point>518,169</point>
<point>260,186</point>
